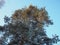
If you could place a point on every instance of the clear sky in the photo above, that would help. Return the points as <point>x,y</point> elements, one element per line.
<point>52,6</point>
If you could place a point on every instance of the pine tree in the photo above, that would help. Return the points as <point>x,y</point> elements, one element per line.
<point>26,27</point>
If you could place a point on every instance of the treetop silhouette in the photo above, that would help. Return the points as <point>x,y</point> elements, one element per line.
<point>27,27</point>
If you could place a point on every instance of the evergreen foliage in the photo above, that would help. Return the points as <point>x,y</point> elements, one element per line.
<point>26,27</point>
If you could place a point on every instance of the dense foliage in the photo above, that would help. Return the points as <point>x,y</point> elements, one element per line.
<point>26,27</point>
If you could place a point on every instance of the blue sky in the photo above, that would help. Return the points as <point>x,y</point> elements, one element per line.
<point>52,6</point>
